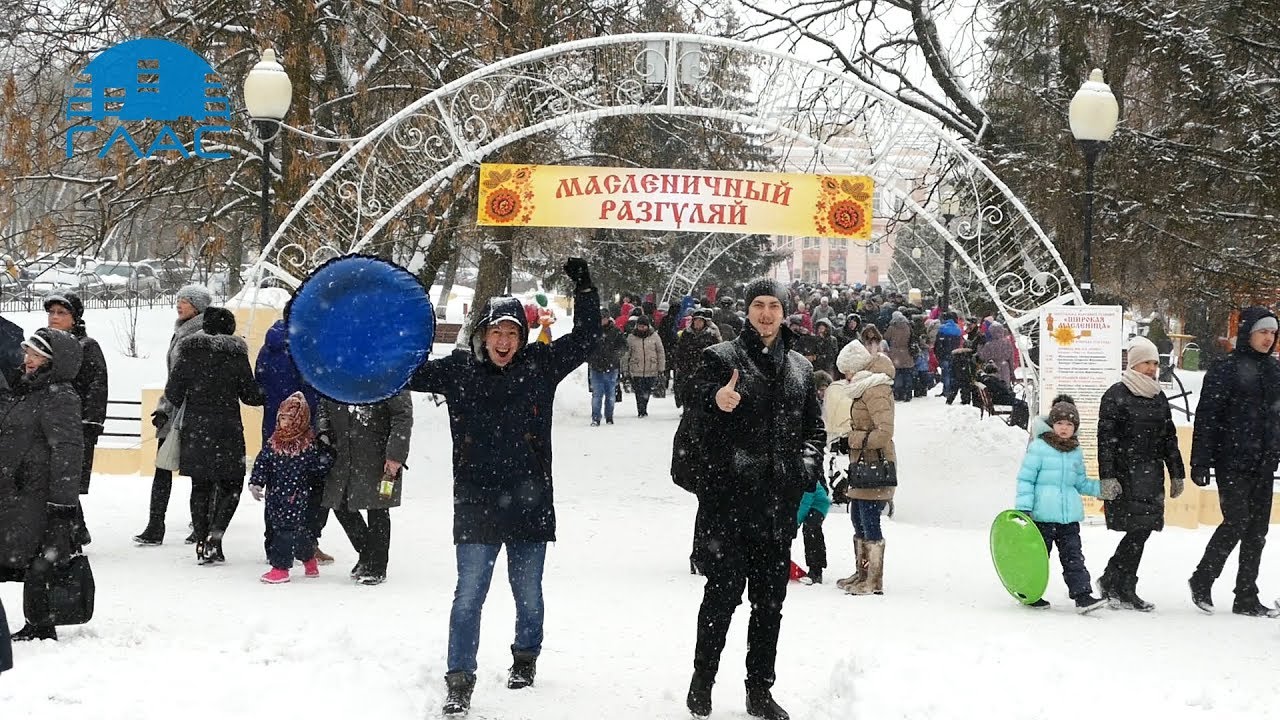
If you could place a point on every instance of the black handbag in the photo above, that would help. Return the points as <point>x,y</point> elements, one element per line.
<point>71,590</point>
<point>868,475</point>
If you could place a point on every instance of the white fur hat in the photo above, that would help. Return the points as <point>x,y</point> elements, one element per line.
<point>853,358</point>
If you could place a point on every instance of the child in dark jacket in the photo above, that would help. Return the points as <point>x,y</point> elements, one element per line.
<point>1050,485</point>
<point>289,466</point>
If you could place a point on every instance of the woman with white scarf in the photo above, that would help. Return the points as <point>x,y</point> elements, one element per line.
<point>858,412</point>
<point>1136,441</point>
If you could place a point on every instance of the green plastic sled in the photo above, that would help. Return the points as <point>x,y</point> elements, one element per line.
<point>1020,557</point>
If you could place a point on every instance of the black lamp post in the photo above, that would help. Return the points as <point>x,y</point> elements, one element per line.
<point>267,96</point>
<point>1093,115</point>
<point>950,209</point>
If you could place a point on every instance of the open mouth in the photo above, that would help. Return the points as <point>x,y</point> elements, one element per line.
<point>502,354</point>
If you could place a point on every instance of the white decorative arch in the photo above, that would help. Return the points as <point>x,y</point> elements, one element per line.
<point>815,119</point>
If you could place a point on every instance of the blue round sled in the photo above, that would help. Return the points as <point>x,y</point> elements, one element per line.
<point>358,328</point>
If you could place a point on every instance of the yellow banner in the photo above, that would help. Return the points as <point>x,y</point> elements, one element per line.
<point>836,206</point>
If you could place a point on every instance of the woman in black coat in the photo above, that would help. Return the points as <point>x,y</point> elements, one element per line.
<point>40,447</point>
<point>66,312</point>
<point>212,377</point>
<point>1136,441</point>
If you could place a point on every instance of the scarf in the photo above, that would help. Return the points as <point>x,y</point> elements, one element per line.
<point>1058,443</point>
<point>293,434</point>
<point>864,380</point>
<point>1139,384</point>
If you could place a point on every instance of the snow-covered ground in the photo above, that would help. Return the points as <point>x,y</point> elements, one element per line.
<point>174,640</point>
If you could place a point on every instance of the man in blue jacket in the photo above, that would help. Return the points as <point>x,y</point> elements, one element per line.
<point>500,393</point>
<point>950,337</point>
<point>1237,433</point>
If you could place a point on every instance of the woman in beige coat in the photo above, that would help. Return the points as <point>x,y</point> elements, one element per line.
<point>859,413</point>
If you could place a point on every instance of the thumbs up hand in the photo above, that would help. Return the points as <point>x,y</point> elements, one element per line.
<point>727,397</point>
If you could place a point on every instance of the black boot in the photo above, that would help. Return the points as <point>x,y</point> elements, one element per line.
<point>1250,607</point>
<point>1201,596</point>
<point>210,552</point>
<point>760,704</point>
<point>154,534</point>
<point>699,698</point>
<point>524,665</point>
<point>458,700</point>
<point>1129,599</point>
<point>35,632</point>
<point>192,539</point>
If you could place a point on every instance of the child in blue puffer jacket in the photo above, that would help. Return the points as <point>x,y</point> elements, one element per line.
<point>1050,485</point>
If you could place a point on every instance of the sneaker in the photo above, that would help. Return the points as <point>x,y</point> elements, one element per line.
<point>35,632</point>
<point>1253,608</point>
<point>323,557</point>
<point>371,579</point>
<point>275,576</point>
<point>1040,604</point>
<point>1201,597</point>
<point>1086,604</point>
<point>595,423</point>
<point>311,568</point>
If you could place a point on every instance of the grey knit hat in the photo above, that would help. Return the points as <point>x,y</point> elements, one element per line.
<point>198,295</point>
<point>765,286</point>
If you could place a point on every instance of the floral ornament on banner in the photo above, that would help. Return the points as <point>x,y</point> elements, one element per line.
<point>844,206</point>
<point>507,194</point>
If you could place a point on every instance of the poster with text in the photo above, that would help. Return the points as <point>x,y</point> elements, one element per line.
<point>1080,355</point>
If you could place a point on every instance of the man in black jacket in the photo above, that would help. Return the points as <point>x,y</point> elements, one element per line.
<point>603,369</point>
<point>500,394</point>
<point>759,426</point>
<point>1237,433</point>
<point>10,351</point>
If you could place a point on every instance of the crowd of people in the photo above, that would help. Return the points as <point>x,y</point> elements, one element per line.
<point>788,393</point>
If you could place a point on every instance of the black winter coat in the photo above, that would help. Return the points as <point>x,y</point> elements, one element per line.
<point>607,353</point>
<point>40,452</point>
<point>500,419</point>
<point>752,464</point>
<point>212,376</point>
<point>11,338</point>
<point>6,649</point>
<point>1136,441</point>
<point>1237,423</point>
<point>91,382</point>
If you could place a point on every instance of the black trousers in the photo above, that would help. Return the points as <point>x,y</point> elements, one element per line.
<point>1246,517</point>
<point>213,504</point>
<point>643,388</point>
<point>761,565</point>
<point>1070,554</point>
<point>317,518</point>
<point>371,539</point>
<point>815,543</point>
<point>1122,568</point>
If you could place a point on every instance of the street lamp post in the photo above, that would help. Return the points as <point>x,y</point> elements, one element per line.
<point>267,96</point>
<point>950,209</point>
<point>1093,115</point>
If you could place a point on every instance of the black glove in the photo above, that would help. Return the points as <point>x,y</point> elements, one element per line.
<point>1200,476</point>
<point>58,533</point>
<point>576,269</point>
<point>158,419</point>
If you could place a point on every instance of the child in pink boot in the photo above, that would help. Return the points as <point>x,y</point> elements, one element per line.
<point>286,469</point>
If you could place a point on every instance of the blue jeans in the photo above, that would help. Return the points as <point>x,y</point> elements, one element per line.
<point>603,386</point>
<point>475,569</point>
<point>866,519</point>
<point>945,367</point>
<point>902,385</point>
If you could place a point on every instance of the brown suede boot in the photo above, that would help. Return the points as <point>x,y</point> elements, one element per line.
<point>859,564</point>
<point>873,556</point>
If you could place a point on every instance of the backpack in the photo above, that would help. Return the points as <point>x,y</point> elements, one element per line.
<point>688,466</point>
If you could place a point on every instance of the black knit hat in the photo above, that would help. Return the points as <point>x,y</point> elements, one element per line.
<point>219,321</point>
<point>765,286</point>
<point>70,301</point>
